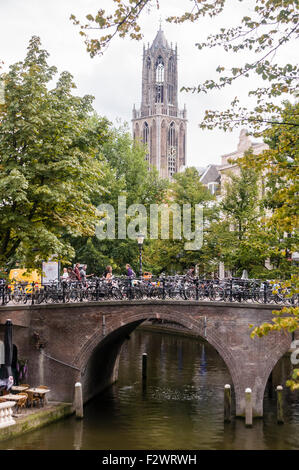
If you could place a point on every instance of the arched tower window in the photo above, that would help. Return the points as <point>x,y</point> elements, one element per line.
<point>159,70</point>
<point>145,133</point>
<point>145,138</point>
<point>172,150</point>
<point>171,135</point>
<point>159,95</point>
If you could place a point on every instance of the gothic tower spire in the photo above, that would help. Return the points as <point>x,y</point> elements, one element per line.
<point>159,123</point>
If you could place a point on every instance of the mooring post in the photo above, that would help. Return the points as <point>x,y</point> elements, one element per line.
<point>248,407</point>
<point>280,418</point>
<point>227,403</point>
<point>78,400</point>
<point>144,366</point>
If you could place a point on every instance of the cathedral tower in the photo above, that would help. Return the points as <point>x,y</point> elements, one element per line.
<point>159,123</point>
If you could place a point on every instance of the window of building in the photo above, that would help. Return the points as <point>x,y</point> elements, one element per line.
<point>159,70</point>
<point>171,135</point>
<point>159,94</point>
<point>213,187</point>
<point>145,137</point>
<point>172,151</point>
<point>172,163</point>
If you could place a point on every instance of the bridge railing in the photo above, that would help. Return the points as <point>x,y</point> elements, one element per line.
<point>162,288</point>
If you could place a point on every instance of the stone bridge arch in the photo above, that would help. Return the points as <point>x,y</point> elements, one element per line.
<point>77,338</point>
<point>249,361</point>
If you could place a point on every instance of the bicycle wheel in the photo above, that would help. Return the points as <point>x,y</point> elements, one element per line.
<point>218,294</point>
<point>190,293</point>
<point>156,293</point>
<point>116,293</point>
<point>17,297</point>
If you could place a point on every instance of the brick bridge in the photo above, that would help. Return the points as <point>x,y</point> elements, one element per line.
<point>66,343</point>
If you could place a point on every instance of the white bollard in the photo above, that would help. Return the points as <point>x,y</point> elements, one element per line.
<point>248,407</point>
<point>78,400</point>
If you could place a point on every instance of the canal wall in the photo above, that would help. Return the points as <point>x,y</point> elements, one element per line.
<point>36,420</point>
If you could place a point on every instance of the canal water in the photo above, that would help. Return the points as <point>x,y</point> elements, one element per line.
<point>181,407</point>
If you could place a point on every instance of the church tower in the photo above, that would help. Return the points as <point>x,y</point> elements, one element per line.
<point>159,123</point>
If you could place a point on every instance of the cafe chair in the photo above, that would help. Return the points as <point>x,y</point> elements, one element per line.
<point>31,399</point>
<point>43,399</point>
<point>21,403</point>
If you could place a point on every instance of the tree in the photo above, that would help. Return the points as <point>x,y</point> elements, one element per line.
<point>238,238</point>
<point>286,319</point>
<point>280,166</point>
<point>170,255</point>
<point>125,174</point>
<point>262,34</point>
<point>48,169</point>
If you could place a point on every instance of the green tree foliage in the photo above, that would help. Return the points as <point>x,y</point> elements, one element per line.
<point>280,166</point>
<point>48,169</point>
<point>286,319</point>
<point>262,33</point>
<point>126,174</point>
<point>238,238</point>
<point>169,256</point>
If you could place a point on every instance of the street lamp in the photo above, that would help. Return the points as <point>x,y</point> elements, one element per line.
<point>140,240</point>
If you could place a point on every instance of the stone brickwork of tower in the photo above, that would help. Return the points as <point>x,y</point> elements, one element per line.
<point>159,123</point>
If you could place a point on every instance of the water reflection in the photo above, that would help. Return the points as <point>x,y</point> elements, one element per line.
<point>180,406</point>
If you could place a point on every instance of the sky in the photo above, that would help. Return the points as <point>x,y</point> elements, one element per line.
<point>114,79</point>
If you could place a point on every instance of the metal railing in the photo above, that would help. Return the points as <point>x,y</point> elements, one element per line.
<point>161,288</point>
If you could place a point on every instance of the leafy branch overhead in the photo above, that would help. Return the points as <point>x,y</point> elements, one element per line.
<point>262,34</point>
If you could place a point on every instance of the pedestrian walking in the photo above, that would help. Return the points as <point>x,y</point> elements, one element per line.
<point>130,272</point>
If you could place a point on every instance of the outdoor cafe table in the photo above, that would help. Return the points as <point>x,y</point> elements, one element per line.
<point>41,392</point>
<point>18,388</point>
<point>13,397</point>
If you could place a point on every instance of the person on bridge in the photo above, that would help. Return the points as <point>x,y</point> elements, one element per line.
<point>72,276</point>
<point>83,274</point>
<point>77,271</point>
<point>191,272</point>
<point>65,274</point>
<point>108,272</point>
<point>130,272</point>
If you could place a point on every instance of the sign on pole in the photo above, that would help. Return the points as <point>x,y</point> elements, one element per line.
<point>50,271</point>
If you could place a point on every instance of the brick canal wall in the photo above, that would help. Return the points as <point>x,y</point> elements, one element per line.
<point>65,343</point>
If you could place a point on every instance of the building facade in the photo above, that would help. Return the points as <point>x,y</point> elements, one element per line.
<point>159,123</point>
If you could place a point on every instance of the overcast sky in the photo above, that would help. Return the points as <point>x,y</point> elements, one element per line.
<point>115,78</point>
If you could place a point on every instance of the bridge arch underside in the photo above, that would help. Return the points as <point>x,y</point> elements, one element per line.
<point>249,361</point>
